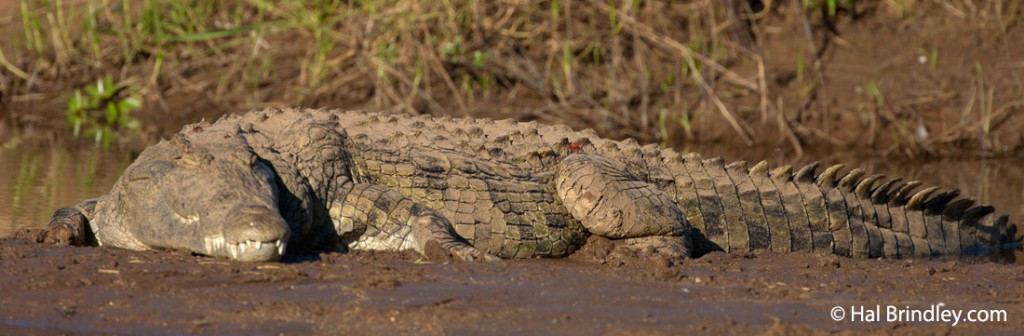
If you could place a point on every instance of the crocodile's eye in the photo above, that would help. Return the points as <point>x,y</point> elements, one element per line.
<point>147,172</point>
<point>253,160</point>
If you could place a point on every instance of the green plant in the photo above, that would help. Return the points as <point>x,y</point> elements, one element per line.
<point>453,49</point>
<point>32,29</point>
<point>875,92</point>
<point>831,7</point>
<point>102,111</point>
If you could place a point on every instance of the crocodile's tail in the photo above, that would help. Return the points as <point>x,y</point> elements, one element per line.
<point>739,209</point>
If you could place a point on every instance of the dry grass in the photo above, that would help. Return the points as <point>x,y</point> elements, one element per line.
<point>655,70</point>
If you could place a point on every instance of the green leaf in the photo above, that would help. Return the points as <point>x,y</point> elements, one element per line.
<point>111,113</point>
<point>100,111</point>
<point>480,58</point>
<point>123,108</point>
<point>102,89</point>
<point>131,103</point>
<point>108,83</point>
<point>94,91</point>
<point>75,102</point>
<point>108,138</point>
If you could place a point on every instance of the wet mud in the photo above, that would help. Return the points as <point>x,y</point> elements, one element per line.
<point>89,290</point>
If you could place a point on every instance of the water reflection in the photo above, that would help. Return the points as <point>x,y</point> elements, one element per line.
<point>37,178</point>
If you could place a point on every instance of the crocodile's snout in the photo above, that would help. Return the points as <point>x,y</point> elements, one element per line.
<point>254,233</point>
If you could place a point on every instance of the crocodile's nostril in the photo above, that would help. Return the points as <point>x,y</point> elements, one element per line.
<point>255,223</point>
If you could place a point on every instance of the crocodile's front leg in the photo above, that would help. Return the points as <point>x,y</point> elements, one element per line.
<point>70,225</point>
<point>376,217</point>
<point>612,202</point>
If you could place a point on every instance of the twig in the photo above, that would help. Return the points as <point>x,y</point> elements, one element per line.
<point>434,106</point>
<point>949,8</point>
<point>10,67</point>
<point>648,33</point>
<point>446,77</point>
<point>728,115</point>
<point>788,130</point>
<point>764,88</point>
<point>817,64</point>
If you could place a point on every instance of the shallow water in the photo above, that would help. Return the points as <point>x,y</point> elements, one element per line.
<point>38,178</point>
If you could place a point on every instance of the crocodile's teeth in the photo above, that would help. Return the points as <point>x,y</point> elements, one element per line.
<point>234,250</point>
<point>280,247</point>
<point>259,244</point>
<point>241,247</point>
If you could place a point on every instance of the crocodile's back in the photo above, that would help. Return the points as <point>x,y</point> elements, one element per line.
<point>735,207</point>
<point>494,180</point>
<point>491,179</point>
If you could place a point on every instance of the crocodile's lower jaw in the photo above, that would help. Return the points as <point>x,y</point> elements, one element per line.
<point>249,250</point>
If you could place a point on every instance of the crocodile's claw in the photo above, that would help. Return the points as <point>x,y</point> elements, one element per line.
<point>67,227</point>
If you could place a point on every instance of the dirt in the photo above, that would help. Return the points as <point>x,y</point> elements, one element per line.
<point>905,78</point>
<point>89,290</point>
<point>942,79</point>
<point>902,83</point>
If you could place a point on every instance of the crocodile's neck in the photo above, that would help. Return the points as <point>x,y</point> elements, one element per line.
<point>311,162</point>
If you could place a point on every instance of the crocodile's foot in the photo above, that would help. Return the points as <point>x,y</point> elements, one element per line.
<point>467,253</point>
<point>434,250</point>
<point>440,242</point>
<point>67,227</point>
<point>57,235</point>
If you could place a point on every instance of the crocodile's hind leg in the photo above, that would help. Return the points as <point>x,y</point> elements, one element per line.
<point>376,217</point>
<point>70,225</point>
<point>614,203</point>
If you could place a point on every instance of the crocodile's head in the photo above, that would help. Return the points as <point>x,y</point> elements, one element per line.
<point>215,198</point>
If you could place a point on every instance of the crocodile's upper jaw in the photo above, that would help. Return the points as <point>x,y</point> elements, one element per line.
<point>250,250</point>
<point>254,233</point>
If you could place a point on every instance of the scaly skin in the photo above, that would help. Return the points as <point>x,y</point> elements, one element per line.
<point>247,186</point>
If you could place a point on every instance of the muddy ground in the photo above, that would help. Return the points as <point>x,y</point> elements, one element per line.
<point>941,80</point>
<point>90,290</point>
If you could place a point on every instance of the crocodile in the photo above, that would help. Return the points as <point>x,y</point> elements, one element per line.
<point>260,185</point>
